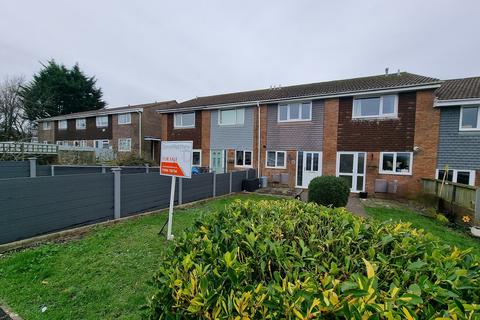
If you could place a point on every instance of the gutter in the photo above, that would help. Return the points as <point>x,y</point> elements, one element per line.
<point>140,141</point>
<point>302,98</point>
<point>91,114</point>
<point>456,102</point>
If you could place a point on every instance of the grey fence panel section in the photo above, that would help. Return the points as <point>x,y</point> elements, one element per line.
<point>145,192</point>
<point>200,186</point>
<point>237,178</point>
<point>60,171</point>
<point>33,206</point>
<point>223,184</point>
<point>14,169</point>
<point>44,170</point>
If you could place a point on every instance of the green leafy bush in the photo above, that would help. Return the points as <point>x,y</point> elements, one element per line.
<point>293,260</point>
<point>133,159</point>
<point>442,219</point>
<point>328,191</point>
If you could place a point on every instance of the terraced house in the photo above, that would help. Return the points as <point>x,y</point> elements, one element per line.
<point>458,101</point>
<point>379,133</point>
<point>123,130</point>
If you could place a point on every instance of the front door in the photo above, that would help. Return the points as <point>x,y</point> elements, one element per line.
<point>309,166</point>
<point>351,167</point>
<point>217,161</point>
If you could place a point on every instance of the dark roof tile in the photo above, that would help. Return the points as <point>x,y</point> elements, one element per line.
<point>465,88</point>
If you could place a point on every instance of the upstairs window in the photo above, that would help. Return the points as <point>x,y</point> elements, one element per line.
<point>62,124</point>
<point>243,158</point>
<point>102,121</point>
<point>81,124</point>
<point>399,163</point>
<point>469,119</point>
<point>375,107</point>
<point>231,117</point>
<point>47,125</point>
<point>300,111</point>
<point>124,118</point>
<point>276,159</point>
<point>457,176</point>
<point>184,120</point>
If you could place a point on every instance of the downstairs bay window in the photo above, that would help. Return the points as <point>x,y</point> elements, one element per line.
<point>399,163</point>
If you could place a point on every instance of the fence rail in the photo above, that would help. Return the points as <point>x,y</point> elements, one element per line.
<point>31,207</point>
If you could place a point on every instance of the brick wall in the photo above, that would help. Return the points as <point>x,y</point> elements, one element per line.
<point>190,134</point>
<point>46,135</point>
<point>205,143</point>
<point>125,131</point>
<point>330,137</point>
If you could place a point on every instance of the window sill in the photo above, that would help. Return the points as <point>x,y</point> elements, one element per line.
<point>395,173</point>
<point>238,166</point>
<point>375,118</point>
<point>277,168</point>
<point>121,124</point>
<point>294,121</point>
<point>180,128</point>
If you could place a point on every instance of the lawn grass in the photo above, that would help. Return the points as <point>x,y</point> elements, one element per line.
<point>101,276</point>
<point>442,232</point>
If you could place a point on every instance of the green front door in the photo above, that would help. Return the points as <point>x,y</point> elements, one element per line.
<point>217,161</point>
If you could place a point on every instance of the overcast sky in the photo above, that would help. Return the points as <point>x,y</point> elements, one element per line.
<point>145,51</point>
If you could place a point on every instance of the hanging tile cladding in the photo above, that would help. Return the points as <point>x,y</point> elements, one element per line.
<point>301,135</point>
<point>238,137</point>
<point>458,149</point>
<point>381,134</point>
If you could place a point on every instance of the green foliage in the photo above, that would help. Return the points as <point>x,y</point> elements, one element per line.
<point>57,90</point>
<point>328,191</point>
<point>133,159</point>
<point>291,260</point>
<point>442,219</point>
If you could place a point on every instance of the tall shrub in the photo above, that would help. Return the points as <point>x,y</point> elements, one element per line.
<point>291,260</point>
<point>328,191</point>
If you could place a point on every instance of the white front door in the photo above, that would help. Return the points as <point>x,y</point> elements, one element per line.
<point>309,166</point>
<point>217,161</point>
<point>351,167</point>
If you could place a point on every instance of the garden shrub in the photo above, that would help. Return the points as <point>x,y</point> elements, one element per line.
<point>291,260</point>
<point>328,191</point>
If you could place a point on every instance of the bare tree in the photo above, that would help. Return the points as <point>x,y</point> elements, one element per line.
<point>13,124</point>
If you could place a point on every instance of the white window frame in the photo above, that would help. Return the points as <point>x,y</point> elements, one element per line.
<point>200,152</point>
<point>288,105</point>
<point>129,118</point>
<point>101,141</point>
<point>120,143</point>
<point>276,159</point>
<point>394,165</point>
<point>77,121</point>
<point>461,118</point>
<point>471,181</point>
<point>62,122</point>
<point>181,126</point>
<point>99,123</point>
<point>235,123</point>
<point>45,142</point>
<point>381,115</point>
<point>243,165</point>
<point>47,125</point>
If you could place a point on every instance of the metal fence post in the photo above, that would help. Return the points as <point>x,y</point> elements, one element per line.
<point>52,170</point>
<point>147,168</point>
<point>33,167</point>
<point>230,182</point>
<point>180,190</point>
<point>116,192</point>
<point>246,174</point>
<point>104,169</point>
<point>476,216</point>
<point>214,183</point>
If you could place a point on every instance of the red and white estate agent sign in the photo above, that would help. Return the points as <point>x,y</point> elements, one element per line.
<point>175,161</point>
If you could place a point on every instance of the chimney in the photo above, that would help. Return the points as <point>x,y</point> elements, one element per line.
<point>398,72</point>
<point>386,71</point>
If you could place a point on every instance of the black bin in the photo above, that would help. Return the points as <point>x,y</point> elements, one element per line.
<point>251,184</point>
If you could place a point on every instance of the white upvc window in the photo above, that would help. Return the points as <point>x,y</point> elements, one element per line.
<point>184,120</point>
<point>398,163</point>
<point>243,158</point>
<point>102,144</point>
<point>124,118</point>
<point>470,118</point>
<point>375,107</point>
<point>276,159</point>
<point>81,124</point>
<point>295,111</point>
<point>45,142</point>
<point>62,125</point>
<point>102,121</point>
<point>47,125</point>
<point>457,176</point>
<point>231,117</point>
<point>124,144</point>
<point>197,158</point>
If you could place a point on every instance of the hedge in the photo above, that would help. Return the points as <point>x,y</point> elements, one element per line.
<point>292,260</point>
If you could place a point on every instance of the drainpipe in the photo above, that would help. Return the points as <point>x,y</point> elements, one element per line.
<point>139,133</point>
<point>259,140</point>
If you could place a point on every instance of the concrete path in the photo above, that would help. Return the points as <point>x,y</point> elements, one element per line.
<point>355,206</point>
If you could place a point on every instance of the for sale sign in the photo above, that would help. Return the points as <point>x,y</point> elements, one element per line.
<point>176,158</point>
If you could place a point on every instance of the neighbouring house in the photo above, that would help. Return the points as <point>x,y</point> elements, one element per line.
<point>122,131</point>
<point>379,133</point>
<point>458,101</point>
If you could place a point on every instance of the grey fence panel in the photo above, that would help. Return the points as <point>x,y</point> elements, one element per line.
<point>237,178</point>
<point>61,170</point>
<point>33,206</point>
<point>200,186</point>
<point>222,184</point>
<point>14,169</point>
<point>145,192</point>
<point>44,170</point>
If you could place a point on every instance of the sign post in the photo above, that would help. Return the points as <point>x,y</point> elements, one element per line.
<point>175,161</point>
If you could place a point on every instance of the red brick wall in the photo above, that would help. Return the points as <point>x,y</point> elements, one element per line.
<point>193,134</point>
<point>205,143</point>
<point>330,137</point>
<point>46,135</point>
<point>125,131</point>
<point>377,135</point>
